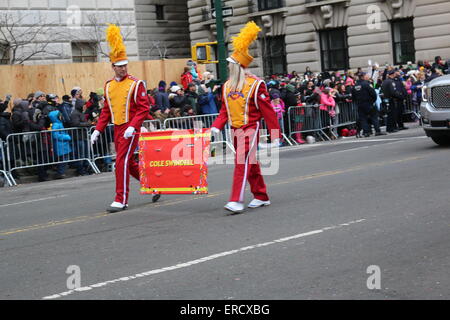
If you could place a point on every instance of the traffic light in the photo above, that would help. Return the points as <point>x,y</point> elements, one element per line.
<point>201,52</point>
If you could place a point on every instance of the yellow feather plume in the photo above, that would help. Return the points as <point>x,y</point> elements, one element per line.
<point>115,40</point>
<point>246,36</point>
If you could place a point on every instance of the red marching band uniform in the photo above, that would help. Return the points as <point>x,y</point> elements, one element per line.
<point>243,110</point>
<point>245,122</point>
<point>126,105</point>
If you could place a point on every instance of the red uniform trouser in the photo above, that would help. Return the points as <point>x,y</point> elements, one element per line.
<point>125,163</point>
<point>247,167</point>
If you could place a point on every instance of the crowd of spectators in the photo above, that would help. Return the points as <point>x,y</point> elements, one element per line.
<point>200,94</point>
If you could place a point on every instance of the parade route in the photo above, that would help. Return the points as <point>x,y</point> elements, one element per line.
<point>337,209</point>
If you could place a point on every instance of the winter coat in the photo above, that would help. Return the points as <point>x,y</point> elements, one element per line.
<point>5,125</point>
<point>66,109</point>
<point>326,102</point>
<point>186,78</point>
<point>162,100</point>
<point>179,102</point>
<point>278,108</point>
<point>207,103</point>
<point>61,139</point>
<point>77,120</point>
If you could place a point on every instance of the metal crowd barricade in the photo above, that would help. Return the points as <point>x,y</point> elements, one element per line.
<point>4,165</point>
<point>153,125</point>
<point>201,121</point>
<point>103,148</point>
<point>347,114</point>
<point>50,147</point>
<point>305,119</point>
<point>412,106</point>
<point>264,132</point>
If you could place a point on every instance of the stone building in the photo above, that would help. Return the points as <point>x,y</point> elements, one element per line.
<point>332,34</point>
<point>65,31</point>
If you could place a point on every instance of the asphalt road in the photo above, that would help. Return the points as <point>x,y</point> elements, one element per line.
<point>337,209</point>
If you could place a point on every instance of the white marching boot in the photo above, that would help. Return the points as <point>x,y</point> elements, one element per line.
<point>258,203</point>
<point>235,207</point>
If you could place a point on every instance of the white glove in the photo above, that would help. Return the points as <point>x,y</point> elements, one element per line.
<point>144,129</point>
<point>94,136</point>
<point>215,130</point>
<point>129,132</point>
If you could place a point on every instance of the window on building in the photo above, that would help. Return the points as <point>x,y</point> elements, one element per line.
<point>334,49</point>
<point>403,41</point>
<point>270,4</point>
<point>84,52</point>
<point>160,12</point>
<point>274,55</point>
<point>4,53</point>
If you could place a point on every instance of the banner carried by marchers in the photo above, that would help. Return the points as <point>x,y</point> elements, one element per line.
<point>174,162</point>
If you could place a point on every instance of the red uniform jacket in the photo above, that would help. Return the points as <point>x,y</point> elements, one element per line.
<point>138,110</point>
<point>263,109</point>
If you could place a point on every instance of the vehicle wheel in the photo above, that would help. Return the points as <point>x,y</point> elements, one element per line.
<point>442,141</point>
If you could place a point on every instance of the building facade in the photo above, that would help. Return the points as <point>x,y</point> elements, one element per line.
<point>66,31</point>
<point>330,35</point>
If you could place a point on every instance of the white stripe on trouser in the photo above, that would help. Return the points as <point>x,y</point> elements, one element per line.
<point>241,197</point>
<point>125,173</point>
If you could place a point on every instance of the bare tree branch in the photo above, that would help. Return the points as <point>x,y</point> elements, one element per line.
<point>24,41</point>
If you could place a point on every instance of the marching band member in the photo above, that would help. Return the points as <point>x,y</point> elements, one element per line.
<point>245,101</point>
<point>127,106</point>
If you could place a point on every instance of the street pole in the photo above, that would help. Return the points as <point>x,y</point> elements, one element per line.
<point>223,74</point>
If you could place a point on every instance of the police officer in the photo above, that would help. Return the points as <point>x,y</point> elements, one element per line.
<point>365,96</point>
<point>400,88</point>
<point>390,97</point>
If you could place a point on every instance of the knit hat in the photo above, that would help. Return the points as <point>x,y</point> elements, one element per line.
<point>38,94</point>
<point>162,84</point>
<point>118,53</point>
<point>100,92</point>
<point>246,36</point>
<point>290,88</point>
<point>174,89</point>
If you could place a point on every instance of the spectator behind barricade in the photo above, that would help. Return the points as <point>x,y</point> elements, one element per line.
<point>308,74</point>
<point>186,77</point>
<point>178,100</point>
<point>92,108</point>
<point>162,98</point>
<point>77,94</point>
<point>5,121</point>
<point>188,111</point>
<point>327,101</point>
<point>408,84</point>
<point>342,95</point>
<point>65,108</point>
<point>20,117</point>
<point>350,79</point>
<point>279,108</point>
<point>80,137</point>
<point>417,88</point>
<point>206,100</point>
<point>39,112</point>
<point>440,64</point>
<point>151,98</point>
<point>192,98</point>
<point>290,99</point>
<point>61,143</point>
<point>207,77</point>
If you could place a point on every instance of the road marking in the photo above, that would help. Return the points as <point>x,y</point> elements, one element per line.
<point>31,201</point>
<point>198,261</point>
<point>183,200</point>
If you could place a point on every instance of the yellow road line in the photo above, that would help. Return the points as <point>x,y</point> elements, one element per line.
<point>212,195</point>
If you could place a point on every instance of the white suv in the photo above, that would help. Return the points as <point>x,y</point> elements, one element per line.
<point>435,110</point>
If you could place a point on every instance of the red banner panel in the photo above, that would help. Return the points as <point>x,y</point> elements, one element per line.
<point>174,162</point>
